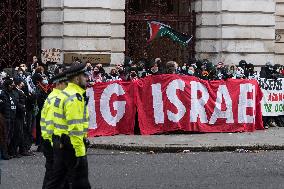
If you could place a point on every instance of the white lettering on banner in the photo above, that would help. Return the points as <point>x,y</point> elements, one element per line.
<point>119,106</point>
<point>158,103</point>
<point>173,98</point>
<point>197,105</point>
<point>91,108</point>
<point>218,113</point>
<point>245,103</point>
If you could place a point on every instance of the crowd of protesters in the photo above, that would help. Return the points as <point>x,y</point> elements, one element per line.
<point>25,88</point>
<point>202,69</point>
<point>23,91</point>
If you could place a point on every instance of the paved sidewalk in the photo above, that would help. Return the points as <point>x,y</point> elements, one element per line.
<point>271,139</point>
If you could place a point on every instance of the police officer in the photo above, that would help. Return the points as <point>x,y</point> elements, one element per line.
<point>8,110</point>
<point>70,168</point>
<point>18,139</point>
<point>47,124</point>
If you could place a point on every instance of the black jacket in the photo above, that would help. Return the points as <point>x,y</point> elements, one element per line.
<point>8,106</point>
<point>20,98</point>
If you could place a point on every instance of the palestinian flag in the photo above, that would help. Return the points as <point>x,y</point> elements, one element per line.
<point>158,29</point>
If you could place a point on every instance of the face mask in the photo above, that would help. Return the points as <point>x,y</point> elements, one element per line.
<point>154,70</point>
<point>190,72</point>
<point>45,81</point>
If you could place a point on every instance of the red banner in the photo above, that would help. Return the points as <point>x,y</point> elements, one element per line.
<point>173,102</point>
<point>114,109</point>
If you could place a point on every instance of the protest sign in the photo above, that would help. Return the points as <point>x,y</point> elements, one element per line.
<point>273,96</point>
<point>92,58</point>
<point>51,55</point>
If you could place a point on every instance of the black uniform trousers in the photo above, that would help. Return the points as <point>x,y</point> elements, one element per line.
<point>69,172</point>
<point>3,137</point>
<point>28,127</point>
<point>48,154</point>
<point>17,138</point>
<point>38,129</point>
<point>10,136</point>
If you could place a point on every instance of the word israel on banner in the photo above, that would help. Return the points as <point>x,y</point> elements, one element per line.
<point>273,96</point>
<point>172,102</point>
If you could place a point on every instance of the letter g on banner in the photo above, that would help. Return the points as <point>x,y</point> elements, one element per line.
<point>119,106</point>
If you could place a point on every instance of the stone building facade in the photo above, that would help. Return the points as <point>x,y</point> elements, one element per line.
<point>85,26</point>
<point>230,30</point>
<point>226,30</point>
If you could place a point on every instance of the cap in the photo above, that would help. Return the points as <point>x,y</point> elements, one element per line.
<point>77,69</point>
<point>59,78</point>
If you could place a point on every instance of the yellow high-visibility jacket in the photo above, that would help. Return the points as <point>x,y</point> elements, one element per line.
<point>47,115</point>
<point>72,118</point>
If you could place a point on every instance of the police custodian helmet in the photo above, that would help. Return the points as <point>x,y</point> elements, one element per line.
<point>77,69</point>
<point>61,77</point>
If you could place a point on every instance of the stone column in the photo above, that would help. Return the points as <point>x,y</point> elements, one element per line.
<point>85,26</point>
<point>279,42</point>
<point>230,30</point>
<point>117,31</point>
<point>52,24</point>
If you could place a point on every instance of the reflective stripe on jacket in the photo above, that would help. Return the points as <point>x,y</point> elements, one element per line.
<point>47,115</point>
<point>73,117</point>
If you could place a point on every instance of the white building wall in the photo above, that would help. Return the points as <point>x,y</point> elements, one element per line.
<point>279,44</point>
<point>230,30</point>
<point>85,26</point>
<point>52,24</point>
<point>227,30</point>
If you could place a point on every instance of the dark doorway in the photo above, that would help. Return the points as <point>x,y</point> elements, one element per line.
<point>176,13</point>
<point>19,31</point>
